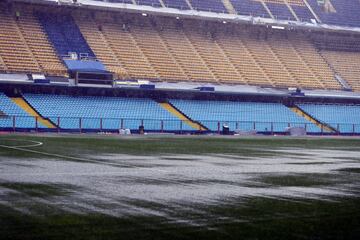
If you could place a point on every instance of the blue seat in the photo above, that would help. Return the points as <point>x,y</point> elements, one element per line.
<point>280,11</point>
<point>93,112</point>
<point>303,13</point>
<point>209,5</point>
<point>346,117</point>
<point>64,34</point>
<point>153,3</point>
<point>346,12</point>
<point>10,109</point>
<point>242,115</point>
<point>249,7</point>
<point>179,4</point>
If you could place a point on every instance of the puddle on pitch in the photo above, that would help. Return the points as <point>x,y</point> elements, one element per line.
<point>151,185</point>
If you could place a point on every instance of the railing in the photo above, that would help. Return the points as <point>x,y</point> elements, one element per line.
<point>80,56</point>
<point>84,124</point>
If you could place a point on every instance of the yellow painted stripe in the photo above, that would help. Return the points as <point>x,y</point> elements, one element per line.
<point>29,109</point>
<point>181,116</point>
<point>303,114</point>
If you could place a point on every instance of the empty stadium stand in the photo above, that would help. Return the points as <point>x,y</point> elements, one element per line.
<point>104,112</point>
<point>120,1</point>
<point>346,64</point>
<point>179,4</point>
<point>245,116</point>
<point>322,125</point>
<point>101,46</point>
<point>24,47</point>
<point>11,110</point>
<point>153,3</point>
<point>192,51</point>
<point>39,45</point>
<point>160,57</point>
<point>186,50</point>
<point>64,34</point>
<point>39,120</point>
<point>190,61</point>
<point>98,113</point>
<point>303,13</point>
<point>280,10</point>
<point>249,7</point>
<point>337,12</point>
<point>209,5</point>
<point>342,53</point>
<point>345,118</point>
<point>14,50</point>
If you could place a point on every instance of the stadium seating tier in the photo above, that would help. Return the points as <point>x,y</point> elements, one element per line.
<point>249,7</point>
<point>179,4</point>
<point>245,116</point>
<point>153,3</point>
<point>208,5</point>
<point>10,109</point>
<point>64,34</point>
<point>336,12</point>
<point>15,54</point>
<point>342,116</point>
<point>186,50</point>
<point>91,109</point>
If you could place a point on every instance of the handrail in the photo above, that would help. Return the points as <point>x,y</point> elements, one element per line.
<point>158,124</point>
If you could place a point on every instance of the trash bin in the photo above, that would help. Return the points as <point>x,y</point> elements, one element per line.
<point>141,129</point>
<point>225,130</point>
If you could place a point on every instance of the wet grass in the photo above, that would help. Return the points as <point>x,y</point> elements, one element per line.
<point>301,180</point>
<point>311,163</point>
<point>350,170</point>
<point>38,189</point>
<point>256,218</point>
<point>245,218</point>
<point>88,145</point>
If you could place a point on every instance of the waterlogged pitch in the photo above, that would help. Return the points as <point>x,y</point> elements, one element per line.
<point>106,187</point>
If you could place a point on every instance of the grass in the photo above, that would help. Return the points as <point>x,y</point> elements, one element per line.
<point>84,145</point>
<point>39,190</point>
<point>303,180</point>
<point>350,170</point>
<point>256,218</point>
<point>245,218</point>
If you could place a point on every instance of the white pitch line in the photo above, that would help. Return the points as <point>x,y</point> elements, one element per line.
<point>35,143</point>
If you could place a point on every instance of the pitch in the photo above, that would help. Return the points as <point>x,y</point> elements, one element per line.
<point>166,187</point>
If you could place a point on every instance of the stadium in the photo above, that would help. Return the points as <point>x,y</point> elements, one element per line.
<point>184,119</point>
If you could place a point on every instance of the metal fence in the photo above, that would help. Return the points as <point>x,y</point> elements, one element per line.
<point>84,124</point>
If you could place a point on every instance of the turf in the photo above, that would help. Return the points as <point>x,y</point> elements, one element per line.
<point>303,180</point>
<point>79,146</point>
<point>39,190</point>
<point>256,218</point>
<point>336,217</point>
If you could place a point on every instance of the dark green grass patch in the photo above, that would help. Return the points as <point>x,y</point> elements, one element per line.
<point>89,145</point>
<point>254,218</point>
<point>303,180</point>
<point>311,163</point>
<point>39,189</point>
<point>350,170</point>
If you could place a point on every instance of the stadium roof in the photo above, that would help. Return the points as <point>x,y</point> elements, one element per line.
<point>212,16</point>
